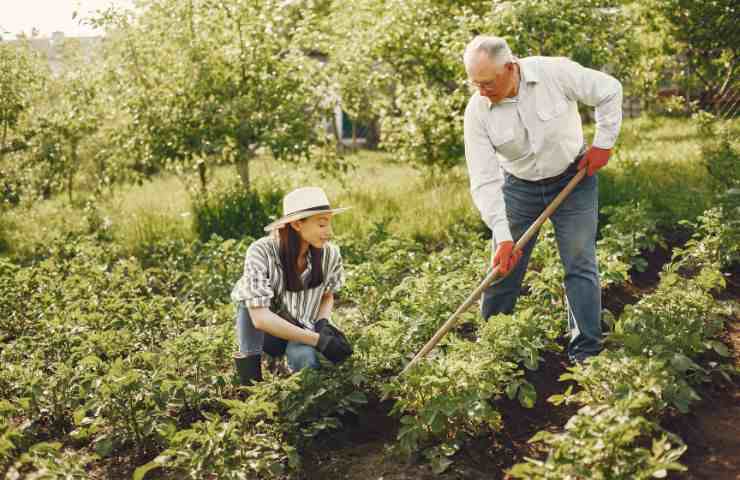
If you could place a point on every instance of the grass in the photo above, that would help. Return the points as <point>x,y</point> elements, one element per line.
<point>657,160</point>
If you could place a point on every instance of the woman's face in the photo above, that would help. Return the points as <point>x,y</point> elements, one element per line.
<point>315,230</point>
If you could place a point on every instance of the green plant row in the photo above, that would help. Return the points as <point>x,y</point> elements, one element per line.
<point>661,348</point>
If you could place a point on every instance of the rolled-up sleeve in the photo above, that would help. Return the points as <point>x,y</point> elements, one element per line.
<point>335,274</point>
<point>599,90</point>
<point>486,179</point>
<point>254,287</point>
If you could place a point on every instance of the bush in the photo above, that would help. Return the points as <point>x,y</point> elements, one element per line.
<point>233,212</point>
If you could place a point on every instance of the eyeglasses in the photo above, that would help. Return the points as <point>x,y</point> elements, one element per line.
<point>489,84</point>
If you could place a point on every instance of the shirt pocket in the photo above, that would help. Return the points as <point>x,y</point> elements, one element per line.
<point>501,137</point>
<point>547,109</point>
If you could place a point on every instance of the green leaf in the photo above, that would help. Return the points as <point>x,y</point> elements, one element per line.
<point>440,464</point>
<point>358,397</point>
<point>158,462</point>
<point>527,395</point>
<point>511,389</point>
<point>720,348</point>
<point>104,446</point>
<point>682,364</point>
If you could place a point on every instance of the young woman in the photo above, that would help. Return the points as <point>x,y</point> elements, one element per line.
<point>286,294</point>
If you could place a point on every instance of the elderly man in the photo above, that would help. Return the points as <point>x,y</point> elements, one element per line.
<point>523,143</point>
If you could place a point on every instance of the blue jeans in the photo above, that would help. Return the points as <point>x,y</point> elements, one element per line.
<point>575,223</point>
<point>252,341</point>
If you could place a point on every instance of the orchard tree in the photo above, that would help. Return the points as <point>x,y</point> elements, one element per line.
<point>598,34</point>
<point>69,117</point>
<point>214,81</point>
<point>22,76</point>
<point>401,60</point>
<point>705,35</point>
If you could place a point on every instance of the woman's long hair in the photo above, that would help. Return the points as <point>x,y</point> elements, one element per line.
<point>290,244</point>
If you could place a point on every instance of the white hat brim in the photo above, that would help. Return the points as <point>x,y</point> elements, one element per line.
<point>301,215</point>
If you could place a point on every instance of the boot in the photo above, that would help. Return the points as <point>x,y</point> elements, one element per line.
<point>248,368</point>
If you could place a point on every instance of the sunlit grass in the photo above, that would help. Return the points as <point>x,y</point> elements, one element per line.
<point>657,160</point>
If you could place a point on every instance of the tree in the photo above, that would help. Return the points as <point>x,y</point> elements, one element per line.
<point>210,81</point>
<point>69,116</point>
<point>707,37</point>
<point>22,76</point>
<point>401,60</point>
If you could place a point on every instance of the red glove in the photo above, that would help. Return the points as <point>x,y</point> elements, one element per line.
<point>504,258</point>
<point>595,158</point>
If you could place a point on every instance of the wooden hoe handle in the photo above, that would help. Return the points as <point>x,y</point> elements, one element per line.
<point>473,297</point>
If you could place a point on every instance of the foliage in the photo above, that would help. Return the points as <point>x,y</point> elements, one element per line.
<point>22,76</point>
<point>61,126</point>
<point>604,442</point>
<point>631,231</point>
<point>234,212</point>
<point>573,28</point>
<point>220,81</point>
<point>707,37</point>
<point>50,460</point>
<point>649,384</point>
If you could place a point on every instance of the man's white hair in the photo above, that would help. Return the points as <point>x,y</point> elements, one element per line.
<point>495,48</point>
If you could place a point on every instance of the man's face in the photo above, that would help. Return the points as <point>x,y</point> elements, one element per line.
<point>493,81</point>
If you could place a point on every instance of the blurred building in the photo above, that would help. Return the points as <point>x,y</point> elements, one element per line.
<point>53,47</point>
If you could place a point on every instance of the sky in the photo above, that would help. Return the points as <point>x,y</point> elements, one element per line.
<point>51,15</point>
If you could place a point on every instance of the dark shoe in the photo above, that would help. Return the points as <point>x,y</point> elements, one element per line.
<point>248,368</point>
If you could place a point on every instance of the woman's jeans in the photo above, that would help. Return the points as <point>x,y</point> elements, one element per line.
<point>575,223</point>
<point>252,342</point>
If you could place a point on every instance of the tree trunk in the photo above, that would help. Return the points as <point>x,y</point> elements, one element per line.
<point>202,170</point>
<point>337,134</point>
<point>242,166</point>
<point>72,169</point>
<point>2,141</point>
<point>372,138</point>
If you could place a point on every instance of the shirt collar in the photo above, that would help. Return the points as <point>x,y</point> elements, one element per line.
<point>529,75</point>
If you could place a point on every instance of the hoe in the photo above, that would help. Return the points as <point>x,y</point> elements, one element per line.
<point>488,280</point>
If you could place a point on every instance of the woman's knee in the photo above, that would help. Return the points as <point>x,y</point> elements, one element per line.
<point>249,338</point>
<point>302,356</point>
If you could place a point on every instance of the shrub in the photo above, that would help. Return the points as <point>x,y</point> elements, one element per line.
<point>233,212</point>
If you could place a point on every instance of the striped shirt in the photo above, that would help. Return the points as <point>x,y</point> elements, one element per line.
<point>263,280</point>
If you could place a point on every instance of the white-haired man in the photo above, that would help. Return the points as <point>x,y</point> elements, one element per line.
<point>523,143</point>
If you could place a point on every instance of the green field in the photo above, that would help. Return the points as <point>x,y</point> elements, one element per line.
<point>118,332</point>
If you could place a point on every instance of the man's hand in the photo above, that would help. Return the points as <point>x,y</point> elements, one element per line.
<point>504,258</point>
<point>595,158</point>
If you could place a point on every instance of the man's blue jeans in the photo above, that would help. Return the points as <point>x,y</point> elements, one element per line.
<point>251,342</point>
<point>575,223</point>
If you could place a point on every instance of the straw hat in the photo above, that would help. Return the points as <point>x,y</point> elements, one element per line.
<point>302,203</point>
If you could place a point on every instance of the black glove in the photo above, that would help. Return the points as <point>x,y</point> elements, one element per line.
<point>332,342</point>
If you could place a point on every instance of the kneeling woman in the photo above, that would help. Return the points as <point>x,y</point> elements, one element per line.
<point>286,295</point>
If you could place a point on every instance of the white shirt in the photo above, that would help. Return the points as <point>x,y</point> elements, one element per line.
<point>536,134</point>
